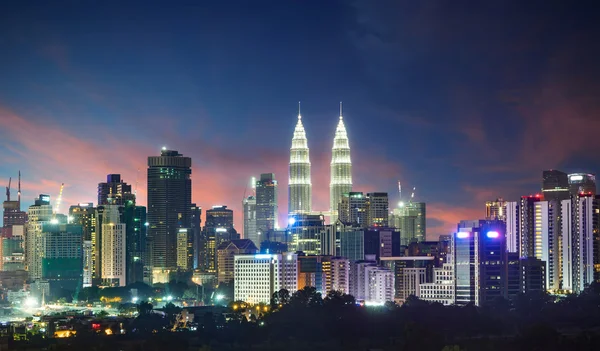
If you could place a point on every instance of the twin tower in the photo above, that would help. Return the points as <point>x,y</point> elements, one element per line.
<point>300,186</point>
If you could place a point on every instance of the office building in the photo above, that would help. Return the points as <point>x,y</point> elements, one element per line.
<point>305,231</point>
<point>479,262</point>
<point>409,219</point>
<point>378,242</point>
<point>87,275</point>
<point>257,277</point>
<point>62,256</point>
<point>582,183</point>
<point>250,230</point>
<point>225,257</point>
<point>113,247</point>
<point>341,168</point>
<point>555,185</point>
<point>496,210</point>
<point>115,191</point>
<point>266,203</point>
<point>352,209</point>
<point>84,214</point>
<point>533,275</point>
<point>520,225</point>
<point>39,213</point>
<point>300,186</point>
<point>218,228</point>
<point>441,290</point>
<point>409,273</point>
<point>325,273</point>
<point>377,210</point>
<point>169,207</point>
<point>13,250</point>
<point>136,232</point>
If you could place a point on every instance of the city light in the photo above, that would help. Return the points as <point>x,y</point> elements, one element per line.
<point>30,302</point>
<point>54,221</point>
<point>134,299</point>
<point>169,298</point>
<point>260,257</point>
<point>462,235</point>
<point>291,221</point>
<point>219,297</point>
<point>493,234</point>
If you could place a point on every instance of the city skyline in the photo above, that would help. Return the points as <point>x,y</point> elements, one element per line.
<point>461,135</point>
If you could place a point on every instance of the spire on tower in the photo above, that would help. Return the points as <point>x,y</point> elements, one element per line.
<point>19,191</point>
<point>340,110</point>
<point>299,115</point>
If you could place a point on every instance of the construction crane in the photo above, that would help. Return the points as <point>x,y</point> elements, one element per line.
<point>412,196</point>
<point>8,190</point>
<point>19,191</point>
<point>58,199</point>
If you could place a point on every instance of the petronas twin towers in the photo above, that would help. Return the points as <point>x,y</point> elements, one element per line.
<point>300,186</point>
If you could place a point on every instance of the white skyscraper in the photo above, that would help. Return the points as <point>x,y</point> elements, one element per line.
<point>341,168</point>
<point>113,246</point>
<point>300,186</point>
<point>39,213</point>
<point>257,277</point>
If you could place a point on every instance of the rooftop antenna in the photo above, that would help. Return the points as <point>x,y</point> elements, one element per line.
<point>340,110</point>
<point>400,190</point>
<point>19,191</point>
<point>8,189</point>
<point>137,177</point>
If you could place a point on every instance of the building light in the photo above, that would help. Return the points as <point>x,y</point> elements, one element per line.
<point>260,257</point>
<point>462,235</point>
<point>493,234</point>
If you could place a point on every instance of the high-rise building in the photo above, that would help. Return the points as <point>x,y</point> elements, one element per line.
<point>323,272</point>
<point>84,214</point>
<point>533,275</point>
<point>580,227</point>
<point>197,232</point>
<point>352,209</point>
<point>356,244</point>
<point>409,273</point>
<point>169,206</point>
<point>496,210</point>
<point>12,214</point>
<point>266,203</point>
<point>13,250</point>
<point>39,213</point>
<point>62,256</point>
<point>257,277</point>
<point>377,210</point>
<point>113,246</point>
<point>115,191</point>
<point>526,230</point>
<point>88,253</point>
<point>305,231</point>
<point>410,218</point>
<point>300,186</point>
<point>225,257</point>
<point>218,228</point>
<point>250,231</point>
<point>479,262</point>
<point>370,283</point>
<point>136,231</point>
<point>582,183</point>
<point>442,288</point>
<point>341,168</point>
<point>555,185</point>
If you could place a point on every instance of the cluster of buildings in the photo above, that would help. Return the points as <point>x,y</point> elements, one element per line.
<point>546,242</point>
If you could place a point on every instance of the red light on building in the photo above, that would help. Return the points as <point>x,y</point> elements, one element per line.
<point>95,325</point>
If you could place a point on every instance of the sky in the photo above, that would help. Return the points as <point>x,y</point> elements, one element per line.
<point>466,101</point>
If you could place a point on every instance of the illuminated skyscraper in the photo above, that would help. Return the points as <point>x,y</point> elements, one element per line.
<point>555,185</point>
<point>115,191</point>
<point>582,183</point>
<point>300,186</point>
<point>496,210</point>
<point>169,207</point>
<point>250,232</point>
<point>266,203</point>
<point>341,168</point>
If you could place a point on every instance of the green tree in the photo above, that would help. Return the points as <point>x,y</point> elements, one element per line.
<point>102,314</point>
<point>307,296</point>
<point>144,308</point>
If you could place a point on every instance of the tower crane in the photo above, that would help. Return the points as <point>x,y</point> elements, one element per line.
<point>8,190</point>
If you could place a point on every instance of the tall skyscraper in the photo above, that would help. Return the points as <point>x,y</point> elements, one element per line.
<point>115,191</point>
<point>352,209</point>
<point>580,228</point>
<point>84,214</point>
<point>410,218</point>
<point>266,203</point>
<point>305,231</point>
<point>114,247</point>
<point>555,185</point>
<point>257,277</point>
<point>300,186</point>
<point>377,210</point>
<point>197,232</point>
<point>39,213</point>
<point>62,256</point>
<point>341,168</point>
<point>582,183</point>
<point>496,210</point>
<point>250,231</point>
<point>527,217</point>
<point>169,206</point>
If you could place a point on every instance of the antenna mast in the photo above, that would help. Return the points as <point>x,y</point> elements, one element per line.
<point>8,189</point>
<point>19,191</point>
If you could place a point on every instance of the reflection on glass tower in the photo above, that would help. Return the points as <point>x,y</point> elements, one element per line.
<point>341,168</point>
<point>299,199</point>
